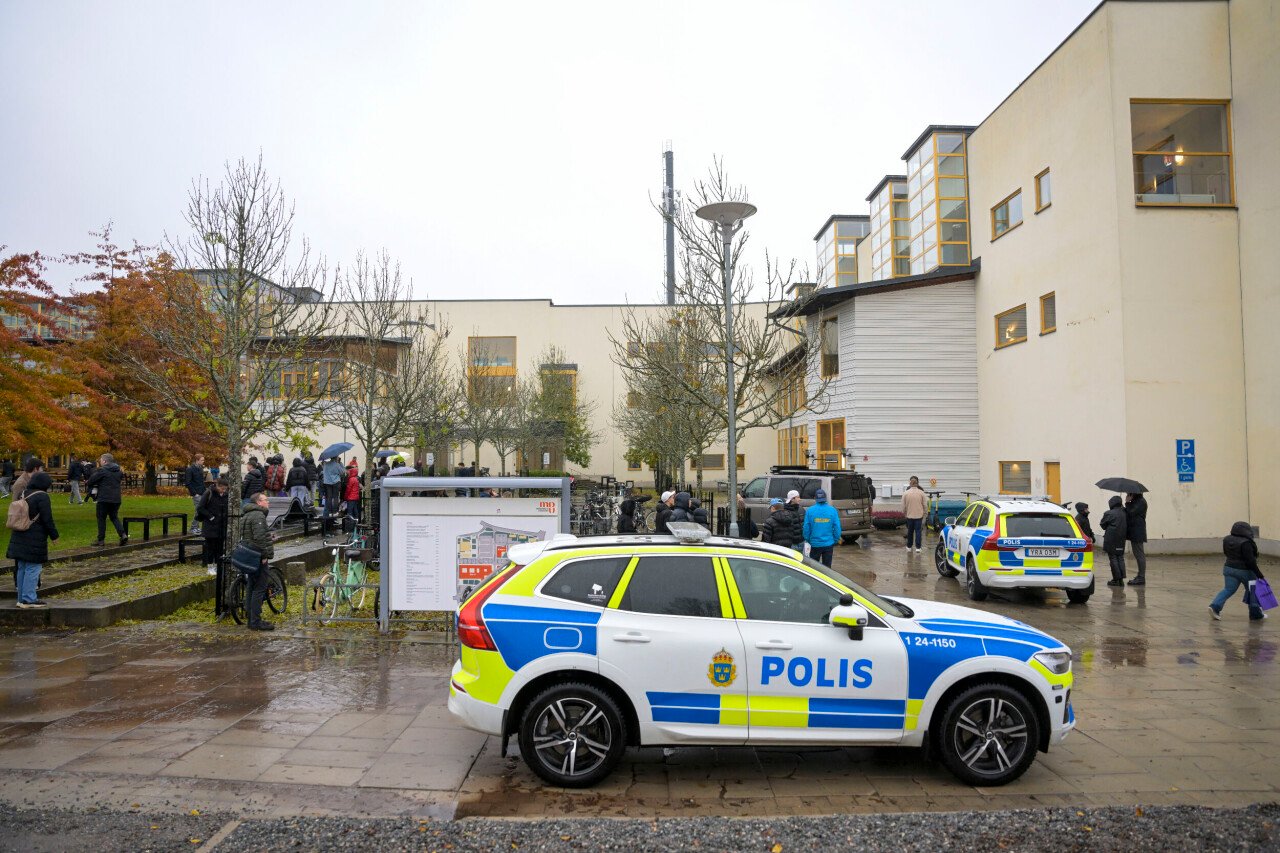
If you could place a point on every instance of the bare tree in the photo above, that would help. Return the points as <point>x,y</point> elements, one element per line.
<point>392,366</point>
<point>693,380</point>
<point>489,399</point>
<point>553,416</point>
<point>255,321</point>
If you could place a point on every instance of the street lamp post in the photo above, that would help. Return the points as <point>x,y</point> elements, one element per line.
<point>727,217</point>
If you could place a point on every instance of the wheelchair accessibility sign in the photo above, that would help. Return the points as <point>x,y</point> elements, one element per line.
<point>1186,459</point>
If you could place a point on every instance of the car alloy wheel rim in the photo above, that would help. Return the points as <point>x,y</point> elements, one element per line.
<point>572,736</point>
<point>991,736</point>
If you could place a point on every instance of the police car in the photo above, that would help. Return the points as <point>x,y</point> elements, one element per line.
<point>583,647</point>
<point>1005,543</point>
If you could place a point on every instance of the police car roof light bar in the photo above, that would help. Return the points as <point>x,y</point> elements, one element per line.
<point>688,532</point>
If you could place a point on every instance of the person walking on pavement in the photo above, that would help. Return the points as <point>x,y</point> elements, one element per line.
<point>1135,509</point>
<point>296,483</point>
<point>75,473</point>
<point>1082,521</point>
<point>778,528</point>
<point>212,512</point>
<point>1114,526</point>
<point>1240,568</point>
<point>195,488</point>
<point>105,481</point>
<point>30,547</point>
<point>255,533</point>
<point>915,505</point>
<point>666,504</point>
<point>6,477</point>
<point>822,529</point>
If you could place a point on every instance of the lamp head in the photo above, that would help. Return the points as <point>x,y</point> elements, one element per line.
<point>726,214</point>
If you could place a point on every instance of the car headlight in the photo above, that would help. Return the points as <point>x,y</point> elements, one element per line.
<point>1058,663</point>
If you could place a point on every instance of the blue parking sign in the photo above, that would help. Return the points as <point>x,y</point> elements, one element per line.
<point>1185,456</point>
<point>1185,447</point>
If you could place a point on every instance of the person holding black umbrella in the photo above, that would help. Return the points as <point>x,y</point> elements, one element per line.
<point>1135,510</point>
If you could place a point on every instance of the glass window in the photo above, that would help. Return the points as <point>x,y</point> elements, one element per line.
<point>963,520</point>
<point>851,228</point>
<point>954,232</point>
<point>1044,192</point>
<point>913,206</point>
<point>951,188</point>
<point>1006,215</point>
<point>950,142</point>
<point>930,258</point>
<point>930,237</point>
<point>847,264</point>
<point>841,489</point>
<point>587,581</point>
<point>901,210</point>
<point>1048,314</point>
<point>1181,153</point>
<point>710,461</point>
<point>926,170</point>
<point>928,194</point>
<point>1011,326</point>
<point>1032,525</point>
<point>492,352</point>
<point>779,486</point>
<point>917,245</point>
<point>1015,478</point>
<point>829,332</point>
<point>913,185</point>
<point>950,165</point>
<point>809,487</point>
<point>955,253</point>
<point>491,388</point>
<point>953,208</point>
<point>673,586</point>
<point>776,593</point>
<point>755,489</point>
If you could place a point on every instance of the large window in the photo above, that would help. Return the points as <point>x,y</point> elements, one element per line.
<point>673,586</point>
<point>831,444</point>
<point>1015,478</point>
<point>1044,191</point>
<point>587,581</point>
<point>1048,313</point>
<point>491,366</point>
<point>778,594</point>
<point>1011,327</point>
<point>792,444</point>
<point>829,334</point>
<point>1006,216</point>
<point>1181,153</point>
<point>708,462</point>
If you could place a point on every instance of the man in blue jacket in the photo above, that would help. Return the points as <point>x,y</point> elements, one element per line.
<point>821,529</point>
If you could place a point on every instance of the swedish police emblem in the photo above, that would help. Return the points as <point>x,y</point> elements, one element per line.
<point>722,672</point>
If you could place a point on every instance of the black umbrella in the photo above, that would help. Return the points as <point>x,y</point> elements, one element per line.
<point>1121,484</point>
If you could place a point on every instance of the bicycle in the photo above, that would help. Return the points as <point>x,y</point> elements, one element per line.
<point>338,587</point>
<point>276,598</point>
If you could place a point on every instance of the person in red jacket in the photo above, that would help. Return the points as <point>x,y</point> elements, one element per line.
<point>351,491</point>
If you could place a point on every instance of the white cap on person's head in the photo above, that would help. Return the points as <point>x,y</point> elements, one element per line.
<point>792,495</point>
<point>666,496</point>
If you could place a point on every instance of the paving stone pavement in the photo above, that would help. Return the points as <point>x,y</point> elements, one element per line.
<point>1173,708</point>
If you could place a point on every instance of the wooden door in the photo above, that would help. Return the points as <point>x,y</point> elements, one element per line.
<point>830,443</point>
<point>1053,481</point>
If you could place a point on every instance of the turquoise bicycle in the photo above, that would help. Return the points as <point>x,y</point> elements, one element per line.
<point>343,586</point>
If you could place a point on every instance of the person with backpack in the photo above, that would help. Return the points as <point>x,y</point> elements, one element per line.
<point>276,477</point>
<point>256,535</point>
<point>105,483</point>
<point>1114,526</point>
<point>212,512</point>
<point>30,519</point>
<point>194,481</point>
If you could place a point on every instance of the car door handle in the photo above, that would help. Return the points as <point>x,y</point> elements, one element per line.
<point>773,644</point>
<point>630,637</point>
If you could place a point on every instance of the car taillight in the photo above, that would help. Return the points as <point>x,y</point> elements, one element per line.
<point>472,632</point>
<point>990,544</point>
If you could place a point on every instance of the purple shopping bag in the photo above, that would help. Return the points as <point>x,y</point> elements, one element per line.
<point>1263,595</point>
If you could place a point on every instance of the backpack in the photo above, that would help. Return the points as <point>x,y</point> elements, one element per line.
<point>275,478</point>
<point>19,517</point>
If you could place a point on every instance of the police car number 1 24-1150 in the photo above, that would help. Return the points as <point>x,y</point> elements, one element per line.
<point>936,642</point>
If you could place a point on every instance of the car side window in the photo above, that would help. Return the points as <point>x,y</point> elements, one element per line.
<point>776,593</point>
<point>842,489</point>
<point>982,517</point>
<point>963,520</point>
<point>779,486</point>
<point>673,586</point>
<point>809,491</point>
<point>755,489</point>
<point>587,581</point>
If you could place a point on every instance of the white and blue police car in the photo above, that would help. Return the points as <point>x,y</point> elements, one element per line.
<point>583,647</point>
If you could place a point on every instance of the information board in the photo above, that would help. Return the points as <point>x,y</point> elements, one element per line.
<point>441,546</point>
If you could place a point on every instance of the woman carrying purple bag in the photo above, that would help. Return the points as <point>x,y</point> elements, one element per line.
<point>1240,568</point>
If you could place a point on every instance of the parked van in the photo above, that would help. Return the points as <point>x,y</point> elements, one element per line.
<point>849,493</point>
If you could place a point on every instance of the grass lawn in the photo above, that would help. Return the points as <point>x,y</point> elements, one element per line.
<point>78,525</point>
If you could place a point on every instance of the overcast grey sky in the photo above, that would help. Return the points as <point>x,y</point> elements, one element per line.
<point>499,149</point>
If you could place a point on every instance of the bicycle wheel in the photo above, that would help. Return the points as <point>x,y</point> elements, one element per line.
<point>236,602</point>
<point>355,577</point>
<point>642,522</point>
<point>332,598</point>
<point>277,591</point>
<point>319,596</point>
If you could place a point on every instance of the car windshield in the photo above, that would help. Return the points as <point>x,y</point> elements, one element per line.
<point>885,604</point>
<point>1031,525</point>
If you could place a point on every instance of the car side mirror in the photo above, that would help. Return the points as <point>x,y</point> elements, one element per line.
<point>949,520</point>
<point>849,615</point>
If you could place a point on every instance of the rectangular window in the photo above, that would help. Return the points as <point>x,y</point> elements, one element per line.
<point>587,581</point>
<point>1006,216</point>
<point>492,353</point>
<point>1182,153</point>
<point>831,444</point>
<point>741,459</point>
<point>673,586</point>
<point>708,462</point>
<point>1011,326</point>
<point>1048,314</point>
<point>792,443</point>
<point>633,464</point>
<point>1015,478</point>
<point>829,334</point>
<point>1044,192</point>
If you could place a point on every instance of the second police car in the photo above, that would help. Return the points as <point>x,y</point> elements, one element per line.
<point>583,647</point>
<point>1007,543</point>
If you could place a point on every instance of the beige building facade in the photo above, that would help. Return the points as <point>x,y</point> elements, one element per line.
<point>1122,211</point>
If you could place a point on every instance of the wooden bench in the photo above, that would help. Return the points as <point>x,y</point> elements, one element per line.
<point>196,541</point>
<point>162,517</point>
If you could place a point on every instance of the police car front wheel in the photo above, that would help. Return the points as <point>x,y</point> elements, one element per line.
<point>572,735</point>
<point>989,735</point>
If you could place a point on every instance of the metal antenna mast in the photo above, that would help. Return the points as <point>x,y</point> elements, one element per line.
<point>669,211</point>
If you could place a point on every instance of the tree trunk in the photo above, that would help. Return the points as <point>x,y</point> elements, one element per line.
<point>150,482</point>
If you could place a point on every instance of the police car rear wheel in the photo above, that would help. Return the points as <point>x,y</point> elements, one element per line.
<point>989,735</point>
<point>1080,596</point>
<point>572,735</point>
<point>940,561</point>
<point>977,592</point>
